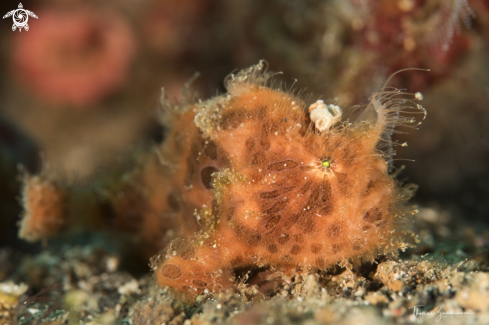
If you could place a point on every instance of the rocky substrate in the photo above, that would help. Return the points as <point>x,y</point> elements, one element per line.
<point>445,278</point>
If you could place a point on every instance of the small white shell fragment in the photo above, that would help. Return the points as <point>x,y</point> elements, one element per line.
<point>11,289</point>
<point>112,264</point>
<point>324,116</point>
<point>129,288</point>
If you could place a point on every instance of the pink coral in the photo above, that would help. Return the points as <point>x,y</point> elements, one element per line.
<point>74,57</point>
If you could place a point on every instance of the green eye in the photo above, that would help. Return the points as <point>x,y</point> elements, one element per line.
<point>326,163</point>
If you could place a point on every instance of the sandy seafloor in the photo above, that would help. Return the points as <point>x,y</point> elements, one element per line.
<point>444,280</point>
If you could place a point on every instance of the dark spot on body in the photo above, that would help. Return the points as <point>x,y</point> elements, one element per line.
<point>173,202</point>
<point>250,144</point>
<point>370,186</point>
<point>287,258</point>
<point>199,283</point>
<point>171,271</point>
<point>231,119</point>
<point>312,199</point>
<point>210,149</point>
<point>239,229</point>
<point>230,213</point>
<point>206,176</point>
<point>325,209</point>
<point>187,253</point>
<point>272,235</point>
<point>273,194</point>
<point>305,188</point>
<point>336,248</point>
<point>272,222</point>
<point>272,248</point>
<point>236,261</point>
<point>277,207</point>
<point>334,231</point>
<point>282,165</point>
<point>265,141</point>
<point>192,162</point>
<point>296,249</point>
<point>316,248</point>
<point>291,220</point>
<point>372,215</point>
<point>254,240</point>
<point>262,112</point>
<point>258,159</point>
<point>307,225</point>
<point>326,191</point>
<point>320,262</point>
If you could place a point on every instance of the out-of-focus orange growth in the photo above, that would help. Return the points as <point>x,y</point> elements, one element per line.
<point>80,56</point>
<point>153,202</point>
<point>44,206</point>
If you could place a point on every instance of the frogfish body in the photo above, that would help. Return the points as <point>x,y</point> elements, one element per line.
<point>277,184</point>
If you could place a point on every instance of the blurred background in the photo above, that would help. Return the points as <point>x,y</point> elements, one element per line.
<point>81,87</point>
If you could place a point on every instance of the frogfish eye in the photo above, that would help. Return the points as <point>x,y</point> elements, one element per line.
<point>326,163</point>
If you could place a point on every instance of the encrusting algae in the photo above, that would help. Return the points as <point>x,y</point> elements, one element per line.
<point>251,178</point>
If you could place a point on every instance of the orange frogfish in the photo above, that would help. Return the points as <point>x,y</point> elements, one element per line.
<point>289,185</point>
<point>252,178</point>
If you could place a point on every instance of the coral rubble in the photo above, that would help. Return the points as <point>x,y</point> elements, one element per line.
<point>96,289</point>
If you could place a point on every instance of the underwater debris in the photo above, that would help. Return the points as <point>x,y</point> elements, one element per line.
<point>247,179</point>
<point>324,116</point>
